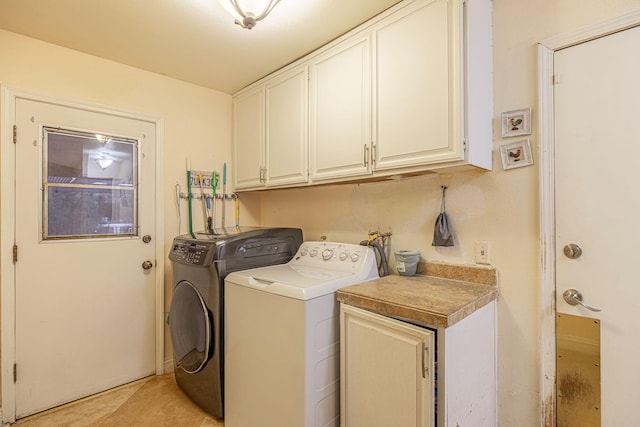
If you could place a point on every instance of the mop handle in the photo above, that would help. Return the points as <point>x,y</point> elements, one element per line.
<point>224,192</point>
<point>214,185</point>
<point>237,202</point>
<point>190,207</point>
<point>205,212</point>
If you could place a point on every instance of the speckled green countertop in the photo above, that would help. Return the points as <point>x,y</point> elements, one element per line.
<point>439,296</point>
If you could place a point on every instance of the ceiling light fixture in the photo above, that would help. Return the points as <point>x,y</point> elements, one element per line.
<point>103,139</point>
<point>104,161</point>
<point>248,12</point>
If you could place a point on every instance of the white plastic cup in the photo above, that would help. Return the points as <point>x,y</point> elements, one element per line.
<point>407,262</point>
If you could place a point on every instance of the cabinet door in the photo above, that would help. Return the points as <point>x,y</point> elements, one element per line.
<point>417,85</point>
<point>248,138</point>
<point>341,110</point>
<point>386,371</point>
<point>286,145</point>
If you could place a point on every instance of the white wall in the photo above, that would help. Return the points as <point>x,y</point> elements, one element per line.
<point>500,207</point>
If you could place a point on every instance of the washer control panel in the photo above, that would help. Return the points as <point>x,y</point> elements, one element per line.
<point>190,252</point>
<point>336,256</point>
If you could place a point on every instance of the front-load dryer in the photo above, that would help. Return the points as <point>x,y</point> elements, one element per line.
<point>283,338</point>
<point>196,319</point>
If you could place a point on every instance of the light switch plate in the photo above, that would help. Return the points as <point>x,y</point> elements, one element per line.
<point>483,252</point>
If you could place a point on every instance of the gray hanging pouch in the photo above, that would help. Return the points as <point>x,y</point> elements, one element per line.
<point>443,233</point>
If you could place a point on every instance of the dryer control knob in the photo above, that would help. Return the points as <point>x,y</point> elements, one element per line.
<point>355,257</point>
<point>313,252</point>
<point>304,251</point>
<point>327,254</point>
<point>343,256</point>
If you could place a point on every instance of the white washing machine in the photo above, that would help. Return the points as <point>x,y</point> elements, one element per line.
<point>282,337</point>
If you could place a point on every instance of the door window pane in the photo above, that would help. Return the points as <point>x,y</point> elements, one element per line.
<point>90,185</point>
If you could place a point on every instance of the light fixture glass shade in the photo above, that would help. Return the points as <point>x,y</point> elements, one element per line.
<point>248,12</point>
<point>104,161</point>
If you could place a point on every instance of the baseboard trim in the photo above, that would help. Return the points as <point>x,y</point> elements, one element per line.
<point>2,423</point>
<point>168,366</point>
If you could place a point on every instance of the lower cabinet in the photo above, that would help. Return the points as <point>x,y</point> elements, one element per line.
<point>386,368</point>
<point>392,375</point>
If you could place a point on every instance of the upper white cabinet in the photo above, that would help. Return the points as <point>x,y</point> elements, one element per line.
<point>418,107</point>
<point>340,81</point>
<point>248,138</point>
<point>408,91</point>
<point>433,91</point>
<point>270,132</point>
<point>287,137</point>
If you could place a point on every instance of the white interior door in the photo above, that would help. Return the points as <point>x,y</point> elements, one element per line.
<point>597,150</point>
<point>84,305</point>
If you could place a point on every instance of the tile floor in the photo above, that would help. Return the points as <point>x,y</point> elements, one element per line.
<point>155,401</point>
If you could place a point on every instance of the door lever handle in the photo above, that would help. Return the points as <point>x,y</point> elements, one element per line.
<point>574,297</point>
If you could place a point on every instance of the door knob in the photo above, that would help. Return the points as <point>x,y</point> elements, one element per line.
<point>147,265</point>
<point>574,297</point>
<point>572,251</point>
<point>146,238</point>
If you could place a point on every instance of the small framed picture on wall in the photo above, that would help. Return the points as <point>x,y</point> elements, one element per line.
<point>516,123</point>
<point>516,154</point>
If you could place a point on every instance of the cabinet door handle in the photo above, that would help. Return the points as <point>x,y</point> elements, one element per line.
<point>366,155</point>
<point>425,359</point>
<point>373,154</point>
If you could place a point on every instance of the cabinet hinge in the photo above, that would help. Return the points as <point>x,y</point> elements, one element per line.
<point>15,134</point>
<point>15,253</point>
<point>464,144</point>
<point>556,79</point>
<point>15,373</point>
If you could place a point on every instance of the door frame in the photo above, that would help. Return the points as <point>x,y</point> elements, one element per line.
<point>546,178</point>
<point>9,97</point>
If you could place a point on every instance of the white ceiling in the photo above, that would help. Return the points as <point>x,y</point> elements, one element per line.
<point>191,40</point>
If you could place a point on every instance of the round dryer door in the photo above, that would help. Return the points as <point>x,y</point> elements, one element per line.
<point>190,328</point>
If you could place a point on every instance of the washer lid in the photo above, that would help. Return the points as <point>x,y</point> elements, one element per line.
<point>294,281</point>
